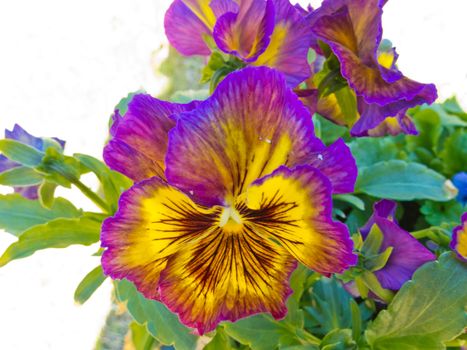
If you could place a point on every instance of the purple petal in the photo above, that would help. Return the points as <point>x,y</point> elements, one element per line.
<point>246,34</point>
<point>21,135</point>
<point>337,163</point>
<point>220,7</point>
<point>407,255</point>
<point>139,141</point>
<point>185,30</point>
<point>289,44</point>
<point>238,136</point>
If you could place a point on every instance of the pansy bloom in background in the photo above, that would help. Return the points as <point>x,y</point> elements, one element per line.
<point>39,143</point>
<point>269,33</point>
<point>359,84</point>
<point>460,182</point>
<point>230,194</point>
<point>407,254</point>
<point>459,238</point>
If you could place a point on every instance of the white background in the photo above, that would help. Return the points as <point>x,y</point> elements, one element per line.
<point>63,67</point>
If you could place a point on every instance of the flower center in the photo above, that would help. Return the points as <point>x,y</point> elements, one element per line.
<point>230,219</point>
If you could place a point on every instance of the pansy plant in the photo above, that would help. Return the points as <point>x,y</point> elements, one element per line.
<point>230,194</point>
<point>269,33</point>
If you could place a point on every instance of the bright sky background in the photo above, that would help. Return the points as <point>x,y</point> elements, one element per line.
<point>63,67</point>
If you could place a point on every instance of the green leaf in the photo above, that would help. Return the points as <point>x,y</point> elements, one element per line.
<point>89,285</point>
<point>428,311</point>
<point>438,213</point>
<point>400,180</point>
<point>454,153</point>
<point>20,176</point>
<point>160,322</point>
<point>18,213</point>
<point>140,338</point>
<point>330,307</point>
<point>261,332</point>
<point>351,199</point>
<point>46,194</point>
<point>369,151</point>
<point>429,126</point>
<point>338,339</point>
<point>113,183</point>
<point>187,96</point>
<point>58,233</point>
<point>21,153</point>
<point>221,341</point>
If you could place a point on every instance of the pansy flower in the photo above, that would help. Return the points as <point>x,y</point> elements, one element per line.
<point>269,33</point>
<point>459,238</point>
<point>460,182</point>
<point>39,143</point>
<point>407,254</point>
<point>352,30</point>
<point>230,193</point>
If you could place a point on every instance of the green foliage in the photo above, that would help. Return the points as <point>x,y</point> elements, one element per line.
<point>427,311</point>
<point>438,213</point>
<point>20,176</point>
<point>369,151</point>
<point>89,285</point>
<point>18,213</point>
<point>58,233</point>
<point>401,180</point>
<point>454,154</point>
<point>21,153</point>
<point>338,339</point>
<point>160,322</point>
<point>140,338</point>
<point>264,332</point>
<point>331,308</point>
<point>113,183</point>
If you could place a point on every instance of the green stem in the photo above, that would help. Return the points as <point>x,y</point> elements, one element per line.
<point>82,187</point>
<point>308,337</point>
<point>91,195</point>
<point>436,234</point>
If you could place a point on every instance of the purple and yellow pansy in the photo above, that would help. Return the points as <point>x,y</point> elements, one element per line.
<point>352,30</point>
<point>229,194</point>
<point>269,33</point>
<point>39,143</point>
<point>407,255</point>
<point>459,238</point>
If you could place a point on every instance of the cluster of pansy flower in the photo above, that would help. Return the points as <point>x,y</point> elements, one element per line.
<point>231,192</point>
<point>353,80</point>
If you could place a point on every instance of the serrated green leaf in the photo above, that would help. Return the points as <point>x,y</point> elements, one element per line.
<point>21,153</point>
<point>438,213</point>
<point>89,285</point>
<point>400,180</point>
<point>18,213</point>
<point>160,322</point>
<point>338,339</point>
<point>58,233</point>
<point>454,153</point>
<point>428,311</point>
<point>429,126</point>
<point>20,176</point>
